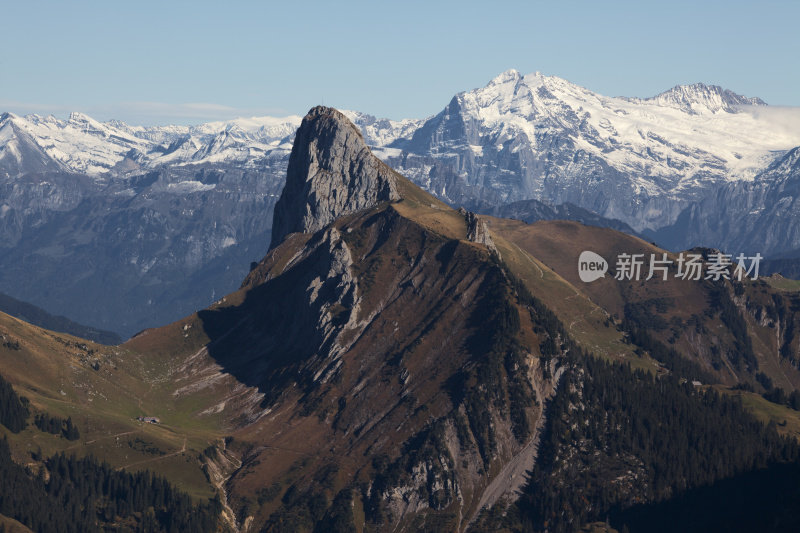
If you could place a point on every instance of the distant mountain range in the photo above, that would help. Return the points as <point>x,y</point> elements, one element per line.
<point>39,317</point>
<point>124,227</point>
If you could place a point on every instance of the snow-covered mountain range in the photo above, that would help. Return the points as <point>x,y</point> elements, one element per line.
<point>81,144</point>
<point>641,160</point>
<point>638,160</point>
<point>148,223</point>
<point>102,150</point>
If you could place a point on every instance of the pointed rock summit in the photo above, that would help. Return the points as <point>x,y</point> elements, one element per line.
<point>331,173</point>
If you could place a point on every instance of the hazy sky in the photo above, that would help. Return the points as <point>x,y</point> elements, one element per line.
<point>188,62</point>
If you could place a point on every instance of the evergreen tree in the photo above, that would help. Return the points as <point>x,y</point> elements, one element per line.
<point>14,410</point>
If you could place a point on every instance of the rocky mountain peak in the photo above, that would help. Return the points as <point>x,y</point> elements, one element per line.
<point>331,173</point>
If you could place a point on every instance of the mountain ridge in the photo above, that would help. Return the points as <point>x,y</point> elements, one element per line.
<point>39,317</point>
<point>710,98</point>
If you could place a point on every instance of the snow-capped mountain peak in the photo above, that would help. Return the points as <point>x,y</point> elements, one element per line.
<point>660,134</point>
<point>542,137</point>
<point>78,144</point>
<point>699,98</point>
<point>509,76</point>
<point>77,117</point>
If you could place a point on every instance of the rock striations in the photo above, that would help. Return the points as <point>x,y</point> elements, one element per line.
<point>477,230</point>
<point>331,173</point>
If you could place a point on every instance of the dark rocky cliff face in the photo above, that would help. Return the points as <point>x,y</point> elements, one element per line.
<point>331,173</point>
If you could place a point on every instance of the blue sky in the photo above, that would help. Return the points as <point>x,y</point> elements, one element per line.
<point>188,62</point>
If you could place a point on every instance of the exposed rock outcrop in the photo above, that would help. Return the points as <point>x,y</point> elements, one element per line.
<point>331,173</point>
<point>477,230</point>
